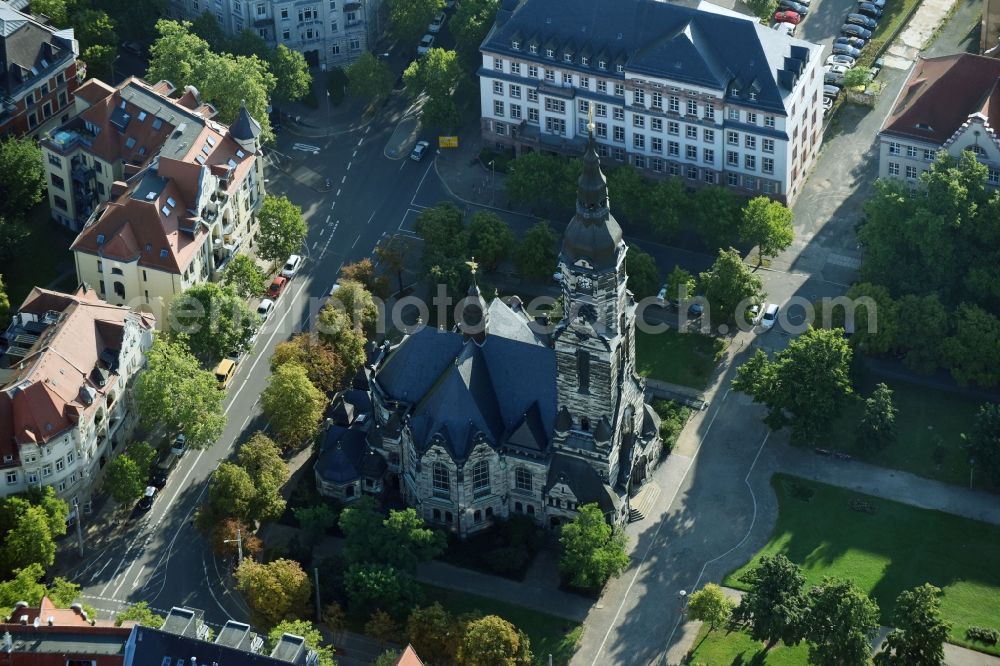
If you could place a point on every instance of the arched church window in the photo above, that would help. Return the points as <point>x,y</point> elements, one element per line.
<point>481,478</point>
<point>440,479</point>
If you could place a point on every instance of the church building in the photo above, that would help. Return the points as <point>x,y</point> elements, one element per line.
<point>505,416</point>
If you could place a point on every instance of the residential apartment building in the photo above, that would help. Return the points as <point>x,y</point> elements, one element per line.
<point>329,33</point>
<point>162,195</point>
<point>699,93</point>
<point>65,390</point>
<point>947,103</point>
<point>38,73</point>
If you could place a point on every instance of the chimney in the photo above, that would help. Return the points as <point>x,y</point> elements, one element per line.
<point>51,621</point>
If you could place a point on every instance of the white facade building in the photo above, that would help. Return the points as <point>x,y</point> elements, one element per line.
<point>65,390</point>
<point>948,103</point>
<point>709,96</point>
<point>329,33</point>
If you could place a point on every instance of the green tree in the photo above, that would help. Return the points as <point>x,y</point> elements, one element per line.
<point>135,20</point>
<point>446,242</point>
<point>206,26</point>
<point>983,441</point>
<point>22,176</point>
<point>730,286</point>
<point>312,636</point>
<point>275,592</point>
<point>293,405</point>
<point>372,587</point>
<point>408,19</point>
<point>323,366</point>
<point>93,27</point>
<point>536,255</point>
<point>291,74</point>
<point>670,206</point>
<point>282,229</point>
<point>643,276</point>
<point>716,214</point>
<point>358,303</point>
<point>973,351</point>
<point>56,10</point>
<point>490,240</point>
<point>261,458</point>
<point>125,480</point>
<point>805,386</point>
<point>30,539</point>
<point>766,224</point>
<point>876,319</point>
<point>231,493</point>
<point>381,627</point>
<point>247,43</point>
<point>631,195</point>
<point>369,77</point>
<point>432,632</point>
<point>763,9</point>
<point>927,315</point>
<point>774,606</point>
<point>139,613</point>
<point>435,74</point>
<point>176,54</point>
<point>100,59</point>
<point>315,520</point>
<point>856,76</point>
<point>27,584</point>
<point>215,320</point>
<point>387,658</point>
<point>545,183</point>
<point>877,428</point>
<point>336,329</point>
<point>592,553</point>
<point>711,606</point>
<point>243,275</point>
<point>402,540</point>
<point>840,624</point>
<point>470,24</point>
<point>919,630</point>
<point>680,284</point>
<point>173,391</point>
<point>493,641</point>
<point>4,303</point>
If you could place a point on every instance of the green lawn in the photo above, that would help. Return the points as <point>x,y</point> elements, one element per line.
<point>40,259</point>
<point>548,634</point>
<point>929,432</point>
<point>736,648</point>
<point>896,548</point>
<point>680,358</point>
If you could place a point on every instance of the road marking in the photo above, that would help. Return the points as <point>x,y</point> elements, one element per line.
<point>338,194</point>
<point>101,570</point>
<point>342,180</point>
<point>421,183</point>
<point>368,129</point>
<point>401,165</point>
<point>356,241</point>
<point>327,220</point>
<point>349,165</point>
<point>652,541</point>
<point>135,583</point>
<point>361,140</point>
<point>323,230</point>
<point>124,577</point>
<point>314,245</point>
<point>370,218</point>
<point>332,205</point>
<point>211,591</point>
<point>354,154</point>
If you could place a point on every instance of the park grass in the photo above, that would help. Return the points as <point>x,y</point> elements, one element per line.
<point>41,257</point>
<point>679,358</point>
<point>929,429</point>
<point>736,648</point>
<point>896,548</point>
<point>548,634</point>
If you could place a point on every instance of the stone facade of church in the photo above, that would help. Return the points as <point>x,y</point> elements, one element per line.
<point>503,416</point>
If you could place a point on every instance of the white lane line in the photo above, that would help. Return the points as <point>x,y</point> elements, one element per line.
<point>344,179</point>
<point>421,183</point>
<point>314,245</point>
<point>402,164</point>
<point>361,140</point>
<point>349,165</point>
<point>322,231</point>
<point>367,129</point>
<point>101,570</point>
<point>332,205</point>
<point>135,583</point>
<point>211,591</point>
<point>370,218</point>
<point>354,154</point>
<point>356,241</point>
<point>114,595</point>
<point>327,220</point>
<point>338,194</point>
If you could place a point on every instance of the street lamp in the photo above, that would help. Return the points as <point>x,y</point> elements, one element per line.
<point>239,545</point>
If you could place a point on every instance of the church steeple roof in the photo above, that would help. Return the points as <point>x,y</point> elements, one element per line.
<point>593,234</point>
<point>244,128</point>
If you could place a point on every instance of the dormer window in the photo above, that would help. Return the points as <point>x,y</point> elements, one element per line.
<point>584,60</point>
<point>533,48</point>
<point>550,53</point>
<point>516,45</point>
<point>752,96</point>
<point>734,91</point>
<point>601,64</point>
<point>568,57</point>
<point>620,68</point>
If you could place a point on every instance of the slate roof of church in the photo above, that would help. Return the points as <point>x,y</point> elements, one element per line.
<point>583,480</point>
<point>504,387</point>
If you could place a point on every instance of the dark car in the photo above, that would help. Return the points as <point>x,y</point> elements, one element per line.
<point>868,9</point>
<point>855,31</point>
<point>834,79</point>
<point>862,20</point>
<point>856,42</point>
<point>830,91</point>
<point>146,502</point>
<point>844,49</point>
<point>794,6</point>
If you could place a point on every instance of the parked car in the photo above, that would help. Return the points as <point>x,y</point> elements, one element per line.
<point>830,90</point>
<point>291,266</point>
<point>133,48</point>
<point>768,316</point>
<point>878,3</point>
<point>426,44</point>
<point>835,68</point>
<point>224,372</point>
<point>146,501</point>
<point>265,308</point>
<point>866,22</point>
<point>834,79</point>
<point>827,105</point>
<point>845,60</point>
<point>868,9</point>
<point>180,445</point>
<point>419,150</point>
<point>792,5</point>
<point>661,297</point>
<point>787,17</point>
<point>161,471</point>
<point>856,42</point>
<point>784,28</point>
<point>844,49</point>
<point>854,30</point>
<point>276,287</point>
<point>438,22</point>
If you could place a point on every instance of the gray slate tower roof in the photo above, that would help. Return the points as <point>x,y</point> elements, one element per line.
<point>244,128</point>
<point>593,234</point>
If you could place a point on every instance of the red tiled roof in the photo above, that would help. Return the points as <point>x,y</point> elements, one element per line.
<point>940,94</point>
<point>409,658</point>
<point>61,617</point>
<point>94,90</point>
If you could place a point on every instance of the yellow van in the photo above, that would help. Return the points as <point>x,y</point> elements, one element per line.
<point>224,372</point>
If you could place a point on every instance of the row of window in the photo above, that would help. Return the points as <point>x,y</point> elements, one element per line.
<point>46,471</point>
<point>441,478</point>
<point>912,151</point>
<point>911,172</point>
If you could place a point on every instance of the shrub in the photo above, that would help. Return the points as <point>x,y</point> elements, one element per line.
<point>673,416</point>
<point>983,635</point>
<point>505,561</point>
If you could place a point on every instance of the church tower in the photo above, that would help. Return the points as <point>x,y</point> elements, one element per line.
<point>600,396</point>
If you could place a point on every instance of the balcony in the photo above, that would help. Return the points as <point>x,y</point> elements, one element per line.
<point>83,173</point>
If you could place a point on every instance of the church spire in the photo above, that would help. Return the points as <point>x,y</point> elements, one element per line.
<point>593,234</point>
<point>474,311</point>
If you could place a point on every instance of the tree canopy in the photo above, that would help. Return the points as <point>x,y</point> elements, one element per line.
<point>643,275</point>
<point>174,391</point>
<point>592,552</point>
<point>537,254</point>
<point>544,182</point>
<point>127,474</point>
<point>730,287</point>
<point>140,613</point>
<point>805,386</point>
<point>470,24</point>
<point>711,606</point>
<point>369,78</point>
<point>766,224</point>
<point>291,73</point>
<point>275,592</point>
<point>215,321</point>
<point>493,641</point>
<point>840,624</point>
<point>282,228</point>
<point>408,19</point>
<point>336,329</point>
<point>27,584</point>
<point>490,239</point>
<point>323,366</point>
<point>774,607</point>
<point>919,632</point>
<point>22,176</point>
<point>243,275</point>
<point>312,636</point>
<point>402,540</point>
<point>435,74</point>
<point>293,405</point>
<point>877,428</point>
<point>983,441</point>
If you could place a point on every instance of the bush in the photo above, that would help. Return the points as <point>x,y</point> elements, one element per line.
<point>506,561</point>
<point>673,416</point>
<point>983,635</point>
